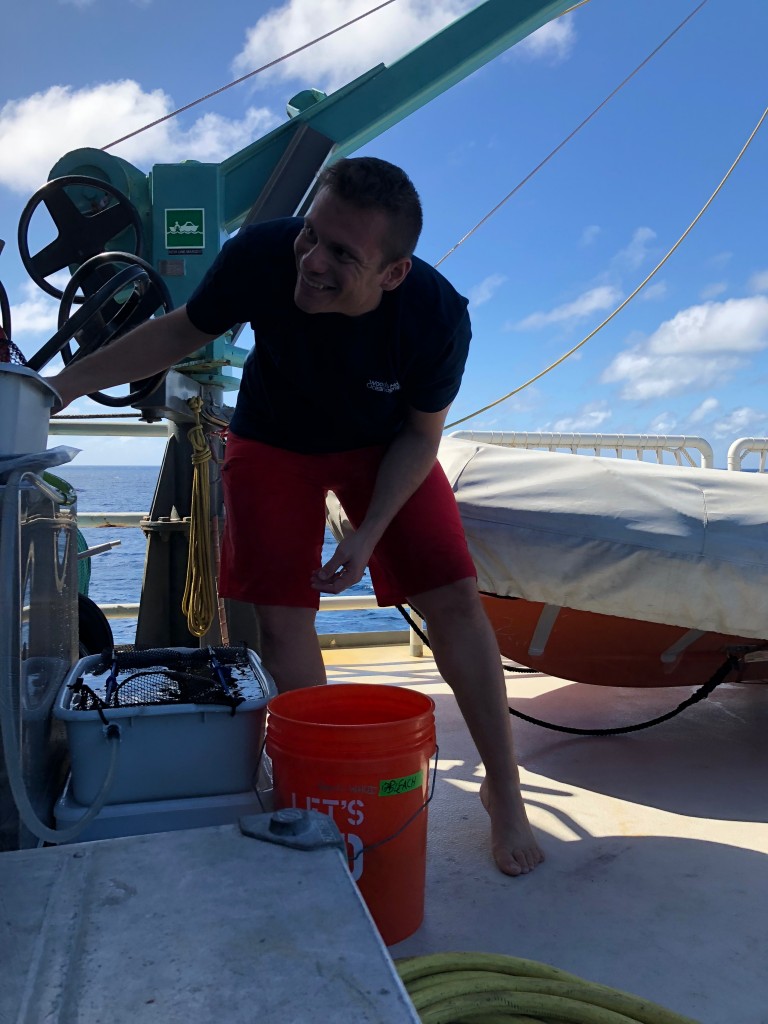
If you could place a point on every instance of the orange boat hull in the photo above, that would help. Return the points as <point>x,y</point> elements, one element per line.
<point>610,651</point>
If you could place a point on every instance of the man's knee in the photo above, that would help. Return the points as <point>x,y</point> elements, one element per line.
<point>459,599</point>
<point>289,646</point>
<point>283,624</point>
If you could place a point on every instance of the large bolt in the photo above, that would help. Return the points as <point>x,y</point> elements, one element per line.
<point>290,821</point>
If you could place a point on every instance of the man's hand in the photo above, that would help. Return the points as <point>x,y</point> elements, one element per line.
<point>405,466</point>
<point>345,567</point>
<point>148,349</point>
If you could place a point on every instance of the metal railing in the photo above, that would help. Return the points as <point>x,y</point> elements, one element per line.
<point>744,446</point>
<point>675,445</point>
<point>335,603</point>
<point>112,428</point>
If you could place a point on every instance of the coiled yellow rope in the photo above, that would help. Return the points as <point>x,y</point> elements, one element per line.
<point>198,603</point>
<point>482,988</point>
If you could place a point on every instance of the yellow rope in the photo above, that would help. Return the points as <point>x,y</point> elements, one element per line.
<point>198,603</point>
<point>629,298</point>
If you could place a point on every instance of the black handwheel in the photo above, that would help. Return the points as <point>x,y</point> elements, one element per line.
<point>120,313</point>
<point>82,234</point>
<point>90,310</point>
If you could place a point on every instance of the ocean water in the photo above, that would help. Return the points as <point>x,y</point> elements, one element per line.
<point>116,576</point>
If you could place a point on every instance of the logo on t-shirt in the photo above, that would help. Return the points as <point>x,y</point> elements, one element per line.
<point>382,385</point>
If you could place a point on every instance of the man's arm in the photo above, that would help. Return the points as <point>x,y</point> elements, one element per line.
<point>405,466</point>
<point>147,349</point>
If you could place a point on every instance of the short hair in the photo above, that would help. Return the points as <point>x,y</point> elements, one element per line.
<point>371,183</point>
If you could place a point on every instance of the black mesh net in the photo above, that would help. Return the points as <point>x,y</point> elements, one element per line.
<point>131,677</point>
<point>10,351</point>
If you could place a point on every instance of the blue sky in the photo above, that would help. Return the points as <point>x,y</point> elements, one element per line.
<point>688,355</point>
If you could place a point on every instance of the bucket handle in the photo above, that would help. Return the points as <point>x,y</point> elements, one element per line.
<point>380,842</point>
<point>413,817</point>
<point>255,776</point>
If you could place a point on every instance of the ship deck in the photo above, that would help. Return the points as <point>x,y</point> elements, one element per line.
<point>656,874</point>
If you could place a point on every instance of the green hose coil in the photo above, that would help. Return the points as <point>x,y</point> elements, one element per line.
<point>480,988</point>
<point>83,567</point>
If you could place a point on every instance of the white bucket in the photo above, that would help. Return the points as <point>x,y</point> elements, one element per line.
<point>25,407</point>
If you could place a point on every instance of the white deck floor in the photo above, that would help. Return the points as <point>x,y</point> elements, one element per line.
<point>656,879</point>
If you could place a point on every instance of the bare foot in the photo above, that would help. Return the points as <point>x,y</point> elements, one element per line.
<point>513,844</point>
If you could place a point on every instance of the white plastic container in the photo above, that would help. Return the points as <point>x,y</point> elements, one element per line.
<point>166,751</point>
<point>26,399</point>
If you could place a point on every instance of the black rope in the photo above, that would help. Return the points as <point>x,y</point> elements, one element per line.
<point>412,623</point>
<point>423,637</point>
<point>729,665</point>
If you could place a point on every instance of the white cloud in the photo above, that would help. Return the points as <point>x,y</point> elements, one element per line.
<point>698,347</point>
<point>656,290</point>
<point>664,423</point>
<point>711,291</point>
<point>486,289</point>
<point>743,422</point>
<point>36,314</point>
<point>586,421</point>
<point>638,249</point>
<point>553,41</point>
<point>593,301</point>
<point>662,376</point>
<point>589,234</point>
<point>703,410</point>
<point>382,38</point>
<point>759,281</point>
<point>720,259</point>
<point>39,129</point>
<point>734,325</point>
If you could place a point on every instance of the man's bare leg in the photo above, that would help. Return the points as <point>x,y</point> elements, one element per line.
<point>289,647</point>
<point>467,657</point>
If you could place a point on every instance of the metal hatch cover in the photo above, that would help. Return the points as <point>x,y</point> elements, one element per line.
<point>191,926</point>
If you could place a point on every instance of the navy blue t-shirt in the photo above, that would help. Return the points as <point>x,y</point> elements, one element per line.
<point>324,382</point>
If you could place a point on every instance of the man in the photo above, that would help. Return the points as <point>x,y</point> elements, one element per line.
<point>360,348</point>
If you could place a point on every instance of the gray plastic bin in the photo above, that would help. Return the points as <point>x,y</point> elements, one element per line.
<point>167,751</point>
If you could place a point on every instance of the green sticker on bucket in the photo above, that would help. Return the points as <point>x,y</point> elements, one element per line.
<point>393,787</point>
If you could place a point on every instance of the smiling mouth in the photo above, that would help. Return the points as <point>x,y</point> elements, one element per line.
<point>315,285</point>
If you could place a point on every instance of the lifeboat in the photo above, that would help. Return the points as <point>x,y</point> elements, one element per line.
<point>614,572</point>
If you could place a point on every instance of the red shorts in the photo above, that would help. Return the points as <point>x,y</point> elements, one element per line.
<point>275,524</point>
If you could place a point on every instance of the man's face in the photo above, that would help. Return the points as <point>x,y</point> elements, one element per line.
<point>340,259</point>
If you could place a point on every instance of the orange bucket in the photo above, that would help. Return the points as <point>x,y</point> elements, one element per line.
<point>360,754</point>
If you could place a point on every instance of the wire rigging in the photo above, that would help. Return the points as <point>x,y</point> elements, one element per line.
<point>575,131</point>
<point>243,78</point>
<point>271,64</point>
<point>631,296</point>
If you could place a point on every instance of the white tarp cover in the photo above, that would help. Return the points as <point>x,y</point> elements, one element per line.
<point>669,544</point>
